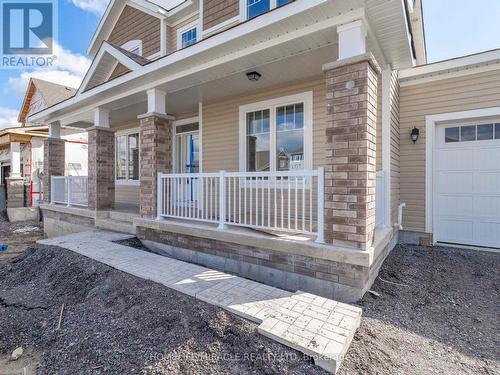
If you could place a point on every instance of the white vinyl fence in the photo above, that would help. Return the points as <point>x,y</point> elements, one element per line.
<point>69,190</point>
<point>278,201</point>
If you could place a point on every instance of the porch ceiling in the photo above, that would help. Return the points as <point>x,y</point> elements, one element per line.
<point>293,48</point>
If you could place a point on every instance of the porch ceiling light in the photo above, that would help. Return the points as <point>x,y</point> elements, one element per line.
<point>415,132</point>
<point>253,76</point>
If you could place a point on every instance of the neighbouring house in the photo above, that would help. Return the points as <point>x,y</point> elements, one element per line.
<point>290,142</point>
<point>22,151</point>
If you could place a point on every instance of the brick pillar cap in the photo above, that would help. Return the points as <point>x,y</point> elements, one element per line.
<point>100,128</point>
<point>354,60</point>
<point>156,114</point>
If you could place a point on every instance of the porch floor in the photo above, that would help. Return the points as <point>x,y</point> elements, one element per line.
<point>317,326</point>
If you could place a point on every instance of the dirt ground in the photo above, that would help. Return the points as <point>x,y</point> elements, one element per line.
<point>437,313</point>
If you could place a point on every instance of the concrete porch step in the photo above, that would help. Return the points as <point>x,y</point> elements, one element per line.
<point>122,216</point>
<point>123,226</point>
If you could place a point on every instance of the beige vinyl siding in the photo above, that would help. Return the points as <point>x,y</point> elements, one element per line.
<point>134,24</point>
<point>217,11</point>
<point>395,147</point>
<point>221,124</point>
<point>470,92</point>
<point>127,194</point>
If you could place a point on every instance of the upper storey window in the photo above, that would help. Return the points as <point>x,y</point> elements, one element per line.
<point>257,7</point>
<point>187,35</point>
<point>134,46</point>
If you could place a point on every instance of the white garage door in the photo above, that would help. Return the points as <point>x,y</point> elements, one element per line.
<point>467,184</point>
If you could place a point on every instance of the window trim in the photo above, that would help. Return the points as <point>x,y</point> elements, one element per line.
<point>272,104</point>
<point>181,30</point>
<point>133,44</point>
<point>244,9</point>
<point>459,125</point>
<point>127,132</point>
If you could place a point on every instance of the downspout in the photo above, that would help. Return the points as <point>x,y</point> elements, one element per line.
<point>399,224</point>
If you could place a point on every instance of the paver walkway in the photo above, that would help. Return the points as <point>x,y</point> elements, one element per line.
<point>317,326</point>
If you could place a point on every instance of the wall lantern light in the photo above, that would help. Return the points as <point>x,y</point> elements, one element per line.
<point>350,85</point>
<point>415,132</point>
<point>253,76</point>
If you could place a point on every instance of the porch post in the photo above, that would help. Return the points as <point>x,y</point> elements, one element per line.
<point>101,162</point>
<point>53,158</point>
<point>350,176</point>
<point>155,150</point>
<point>15,183</point>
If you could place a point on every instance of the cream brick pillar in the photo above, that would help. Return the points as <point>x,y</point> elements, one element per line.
<point>53,158</point>
<point>155,150</point>
<point>101,162</point>
<point>351,151</point>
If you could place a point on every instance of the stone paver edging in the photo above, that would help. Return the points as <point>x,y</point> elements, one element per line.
<point>317,326</point>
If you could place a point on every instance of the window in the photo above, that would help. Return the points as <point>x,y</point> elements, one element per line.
<point>276,135</point>
<point>187,35</point>
<point>127,157</point>
<point>257,7</point>
<point>467,133</point>
<point>134,46</point>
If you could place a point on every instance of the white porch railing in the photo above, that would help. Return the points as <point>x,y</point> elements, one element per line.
<point>380,199</point>
<point>281,201</point>
<point>69,190</point>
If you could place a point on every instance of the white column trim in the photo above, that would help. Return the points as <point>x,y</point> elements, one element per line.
<point>101,117</point>
<point>386,141</point>
<point>352,39</point>
<point>15,159</point>
<point>200,133</point>
<point>163,37</point>
<point>55,130</point>
<point>157,101</point>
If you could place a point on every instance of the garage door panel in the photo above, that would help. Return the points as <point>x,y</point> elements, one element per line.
<point>487,232</point>
<point>466,191</point>
<point>486,206</point>
<point>455,160</point>
<point>455,205</point>
<point>486,158</point>
<point>487,182</point>
<point>453,230</point>
<point>455,182</point>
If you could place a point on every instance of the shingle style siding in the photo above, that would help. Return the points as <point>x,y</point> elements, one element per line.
<point>217,11</point>
<point>134,24</point>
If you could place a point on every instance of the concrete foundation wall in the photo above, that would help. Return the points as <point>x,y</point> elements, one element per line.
<point>61,223</point>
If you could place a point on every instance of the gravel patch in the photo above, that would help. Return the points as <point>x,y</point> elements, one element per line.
<point>438,312</point>
<point>115,323</point>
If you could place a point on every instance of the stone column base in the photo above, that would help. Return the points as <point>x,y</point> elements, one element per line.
<point>15,192</point>
<point>53,163</point>
<point>156,156</point>
<point>101,182</point>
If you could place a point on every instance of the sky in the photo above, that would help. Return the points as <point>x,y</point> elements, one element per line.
<point>453,28</point>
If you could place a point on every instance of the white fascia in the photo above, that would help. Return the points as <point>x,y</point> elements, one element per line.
<point>204,45</point>
<point>120,57</point>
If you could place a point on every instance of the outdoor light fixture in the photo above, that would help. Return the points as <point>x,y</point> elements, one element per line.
<point>415,132</point>
<point>254,76</point>
<point>350,85</point>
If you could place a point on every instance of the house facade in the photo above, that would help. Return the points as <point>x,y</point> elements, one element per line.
<point>22,151</point>
<point>273,138</point>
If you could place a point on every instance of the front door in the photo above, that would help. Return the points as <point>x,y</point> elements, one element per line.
<point>188,161</point>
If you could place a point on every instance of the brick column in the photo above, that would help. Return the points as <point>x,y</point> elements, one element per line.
<point>53,163</point>
<point>155,155</point>
<point>351,151</point>
<point>101,164</point>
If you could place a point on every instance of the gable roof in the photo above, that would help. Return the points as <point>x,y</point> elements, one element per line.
<point>52,93</point>
<point>156,8</point>
<point>103,65</point>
